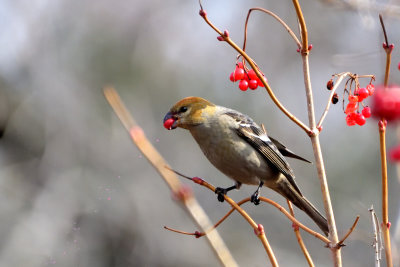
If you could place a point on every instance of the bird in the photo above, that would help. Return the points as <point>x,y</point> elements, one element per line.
<point>242,150</point>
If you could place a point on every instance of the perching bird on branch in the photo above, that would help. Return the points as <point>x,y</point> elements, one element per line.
<point>242,150</point>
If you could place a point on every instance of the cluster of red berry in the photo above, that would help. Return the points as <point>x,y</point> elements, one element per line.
<point>355,102</point>
<point>247,78</point>
<point>353,116</point>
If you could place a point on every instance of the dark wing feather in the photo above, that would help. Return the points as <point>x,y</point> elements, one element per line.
<point>255,136</point>
<point>285,151</point>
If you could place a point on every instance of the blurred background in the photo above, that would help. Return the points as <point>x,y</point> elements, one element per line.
<point>74,190</point>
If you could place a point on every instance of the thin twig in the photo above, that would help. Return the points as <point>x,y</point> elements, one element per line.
<point>303,27</point>
<point>185,196</point>
<point>340,243</point>
<point>259,75</point>
<point>292,34</point>
<point>299,239</point>
<point>388,49</point>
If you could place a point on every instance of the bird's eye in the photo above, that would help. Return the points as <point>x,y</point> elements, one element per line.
<point>183,109</point>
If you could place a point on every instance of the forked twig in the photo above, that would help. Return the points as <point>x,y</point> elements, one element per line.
<point>340,243</point>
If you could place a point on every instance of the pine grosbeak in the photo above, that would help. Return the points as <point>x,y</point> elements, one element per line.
<point>242,150</point>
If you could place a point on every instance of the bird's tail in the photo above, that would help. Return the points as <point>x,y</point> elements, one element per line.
<point>286,189</point>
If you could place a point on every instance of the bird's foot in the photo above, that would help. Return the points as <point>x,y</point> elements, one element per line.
<point>255,198</point>
<point>221,192</point>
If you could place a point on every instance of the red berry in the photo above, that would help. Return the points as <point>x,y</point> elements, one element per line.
<point>350,120</point>
<point>371,89</point>
<point>243,85</point>
<point>246,77</point>
<point>239,74</point>
<point>252,74</point>
<point>353,98</point>
<point>253,84</point>
<point>351,107</point>
<point>366,112</point>
<point>231,77</point>
<point>360,119</point>
<point>362,94</point>
<point>168,123</point>
<point>398,66</point>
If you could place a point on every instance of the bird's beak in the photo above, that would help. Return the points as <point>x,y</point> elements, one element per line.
<point>170,121</point>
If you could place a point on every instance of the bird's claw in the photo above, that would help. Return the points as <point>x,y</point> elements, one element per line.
<point>221,192</point>
<point>255,198</point>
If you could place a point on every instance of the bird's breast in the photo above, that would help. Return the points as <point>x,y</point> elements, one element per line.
<point>231,154</point>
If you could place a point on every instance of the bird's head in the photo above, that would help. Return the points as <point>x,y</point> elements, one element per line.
<point>188,112</point>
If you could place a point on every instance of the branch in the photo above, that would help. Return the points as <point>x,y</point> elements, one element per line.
<point>183,194</point>
<point>382,142</point>
<point>314,132</point>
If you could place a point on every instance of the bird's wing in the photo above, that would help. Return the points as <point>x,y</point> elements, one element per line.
<point>256,137</point>
<point>285,151</point>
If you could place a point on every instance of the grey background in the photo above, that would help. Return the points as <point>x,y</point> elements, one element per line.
<point>74,191</point>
